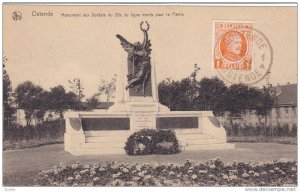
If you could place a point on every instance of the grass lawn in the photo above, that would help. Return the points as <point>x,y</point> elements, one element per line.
<point>31,143</point>
<point>21,166</point>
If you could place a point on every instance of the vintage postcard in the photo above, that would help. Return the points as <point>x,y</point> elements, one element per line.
<point>154,95</point>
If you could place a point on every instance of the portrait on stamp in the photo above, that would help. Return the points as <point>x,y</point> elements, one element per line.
<point>233,45</point>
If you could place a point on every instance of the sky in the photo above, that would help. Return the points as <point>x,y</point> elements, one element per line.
<point>50,50</point>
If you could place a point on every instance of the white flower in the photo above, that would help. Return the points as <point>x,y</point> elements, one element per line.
<point>77,177</point>
<point>276,168</point>
<point>212,166</point>
<point>70,178</point>
<point>194,176</point>
<point>225,176</point>
<point>93,173</point>
<point>232,177</point>
<point>256,174</point>
<point>190,171</point>
<point>245,175</point>
<point>171,173</point>
<point>74,166</point>
<point>141,174</point>
<point>202,171</point>
<point>115,176</point>
<point>125,170</point>
<point>251,172</point>
<point>87,166</point>
<point>138,167</point>
<point>95,179</point>
<point>294,169</point>
<point>147,177</point>
<point>101,169</point>
<point>271,171</point>
<point>141,146</point>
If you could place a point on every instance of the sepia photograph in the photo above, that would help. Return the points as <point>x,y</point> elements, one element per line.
<point>156,95</point>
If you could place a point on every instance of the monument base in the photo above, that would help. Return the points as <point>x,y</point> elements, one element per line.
<point>98,133</point>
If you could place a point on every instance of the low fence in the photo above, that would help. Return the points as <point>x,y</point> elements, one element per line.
<point>46,130</point>
<point>241,127</point>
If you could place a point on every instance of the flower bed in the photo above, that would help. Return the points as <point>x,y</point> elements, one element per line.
<point>210,173</point>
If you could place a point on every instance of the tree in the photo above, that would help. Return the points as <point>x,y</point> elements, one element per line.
<point>59,100</point>
<point>8,109</point>
<point>107,88</point>
<point>239,98</point>
<point>78,89</point>
<point>71,101</point>
<point>177,95</point>
<point>31,99</point>
<point>264,105</point>
<point>211,91</point>
<point>92,102</point>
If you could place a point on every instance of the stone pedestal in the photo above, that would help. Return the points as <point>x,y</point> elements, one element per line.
<point>106,132</point>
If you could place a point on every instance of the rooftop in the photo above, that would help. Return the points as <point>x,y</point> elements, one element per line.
<point>286,94</point>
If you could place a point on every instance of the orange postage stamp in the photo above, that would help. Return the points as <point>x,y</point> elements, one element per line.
<point>233,45</point>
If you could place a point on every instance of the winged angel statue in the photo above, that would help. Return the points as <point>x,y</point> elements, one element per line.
<point>139,67</point>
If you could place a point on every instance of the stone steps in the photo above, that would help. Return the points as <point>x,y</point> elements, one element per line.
<point>102,145</point>
<point>113,142</point>
<point>103,139</point>
<point>196,136</point>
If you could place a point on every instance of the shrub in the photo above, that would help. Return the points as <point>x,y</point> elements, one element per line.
<point>150,141</point>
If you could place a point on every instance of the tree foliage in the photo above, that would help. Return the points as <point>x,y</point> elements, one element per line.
<point>107,88</point>
<point>8,109</point>
<point>77,88</point>
<point>32,99</point>
<point>59,100</point>
<point>211,94</point>
<point>92,102</point>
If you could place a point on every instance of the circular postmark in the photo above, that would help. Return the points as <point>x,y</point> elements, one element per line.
<point>261,62</point>
<point>16,15</point>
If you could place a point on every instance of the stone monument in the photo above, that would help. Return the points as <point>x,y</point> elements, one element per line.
<point>137,108</point>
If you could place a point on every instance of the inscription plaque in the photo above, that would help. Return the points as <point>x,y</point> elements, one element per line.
<point>143,120</point>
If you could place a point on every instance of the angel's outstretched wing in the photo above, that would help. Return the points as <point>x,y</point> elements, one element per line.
<point>125,44</point>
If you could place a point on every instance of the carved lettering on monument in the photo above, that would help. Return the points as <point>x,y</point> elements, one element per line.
<point>143,120</point>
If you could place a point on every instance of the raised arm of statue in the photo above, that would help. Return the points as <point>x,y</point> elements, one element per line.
<point>145,42</point>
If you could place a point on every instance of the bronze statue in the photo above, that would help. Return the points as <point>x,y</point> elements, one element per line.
<point>139,67</point>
